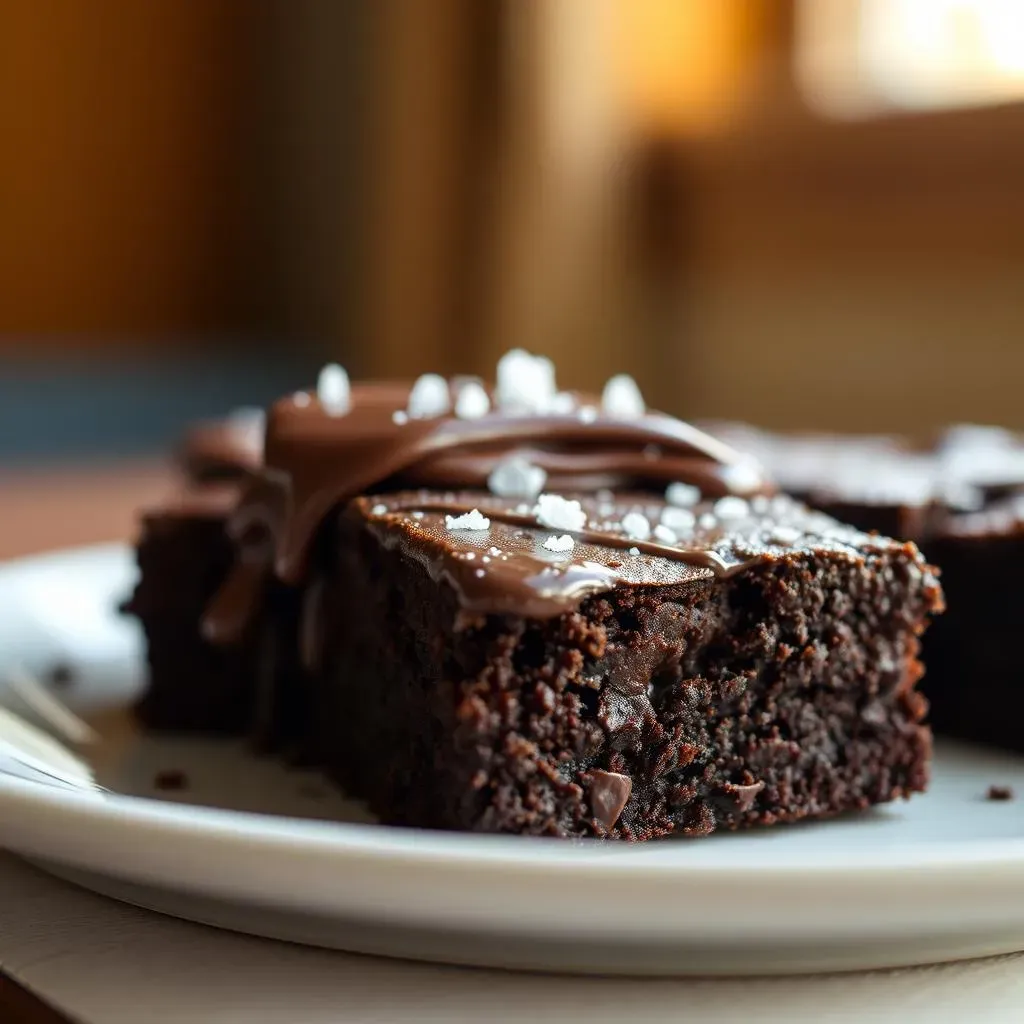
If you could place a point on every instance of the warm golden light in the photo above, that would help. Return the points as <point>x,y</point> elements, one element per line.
<point>681,64</point>
<point>859,56</point>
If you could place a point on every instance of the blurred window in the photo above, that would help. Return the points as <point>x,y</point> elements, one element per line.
<point>856,58</point>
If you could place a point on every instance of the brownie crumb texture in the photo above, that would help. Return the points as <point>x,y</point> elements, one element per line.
<point>1000,793</point>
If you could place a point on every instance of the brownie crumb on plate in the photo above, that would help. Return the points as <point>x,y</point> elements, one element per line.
<point>170,779</point>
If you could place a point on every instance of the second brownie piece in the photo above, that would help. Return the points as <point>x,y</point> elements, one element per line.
<point>663,670</point>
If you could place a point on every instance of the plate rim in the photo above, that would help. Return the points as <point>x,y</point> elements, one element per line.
<point>498,851</point>
<point>520,886</point>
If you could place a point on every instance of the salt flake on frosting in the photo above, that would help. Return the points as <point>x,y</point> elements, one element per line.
<point>515,477</point>
<point>664,534</point>
<point>745,475</point>
<point>682,494</point>
<point>621,397</point>
<point>732,507</point>
<point>472,520</point>
<point>472,401</point>
<point>679,520</point>
<point>563,543</point>
<point>785,535</point>
<point>560,513</point>
<point>333,390</point>
<point>636,526</point>
<point>429,397</point>
<point>564,403</point>
<point>525,383</point>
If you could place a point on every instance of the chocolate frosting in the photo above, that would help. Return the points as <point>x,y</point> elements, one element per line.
<point>505,567</point>
<point>222,450</point>
<point>316,462</point>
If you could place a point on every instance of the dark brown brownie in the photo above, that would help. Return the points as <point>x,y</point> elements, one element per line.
<point>253,687</point>
<point>886,484</point>
<point>672,652</point>
<point>184,555</point>
<point>976,678</point>
<point>678,700</point>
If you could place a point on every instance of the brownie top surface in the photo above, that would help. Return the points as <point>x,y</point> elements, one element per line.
<point>958,469</point>
<point>522,435</point>
<point>1001,518</point>
<point>543,557</point>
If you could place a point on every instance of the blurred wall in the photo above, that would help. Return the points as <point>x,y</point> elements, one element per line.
<point>407,187</point>
<point>123,187</point>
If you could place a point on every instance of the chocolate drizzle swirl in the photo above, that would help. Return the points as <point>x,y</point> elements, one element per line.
<point>315,463</point>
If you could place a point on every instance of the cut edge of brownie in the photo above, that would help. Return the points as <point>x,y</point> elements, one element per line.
<point>784,692</point>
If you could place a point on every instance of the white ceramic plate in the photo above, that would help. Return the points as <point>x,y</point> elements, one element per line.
<point>940,877</point>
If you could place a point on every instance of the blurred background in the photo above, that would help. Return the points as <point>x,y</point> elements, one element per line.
<point>803,213</point>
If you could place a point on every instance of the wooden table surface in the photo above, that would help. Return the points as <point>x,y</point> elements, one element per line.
<point>62,507</point>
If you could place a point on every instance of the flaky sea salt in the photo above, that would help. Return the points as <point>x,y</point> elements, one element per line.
<point>429,397</point>
<point>679,520</point>
<point>563,543</point>
<point>664,534</point>
<point>400,417</point>
<point>333,390</point>
<point>621,397</point>
<point>634,551</point>
<point>472,520</point>
<point>563,403</point>
<point>745,475</point>
<point>301,399</point>
<point>559,513</point>
<point>378,510</point>
<point>731,507</point>
<point>515,477</point>
<point>524,382</point>
<point>588,413</point>
<point>784,535</point>
<point>472,401</point>
<point>636,526</point>
<point>707,521</point>
<point>682,495</point>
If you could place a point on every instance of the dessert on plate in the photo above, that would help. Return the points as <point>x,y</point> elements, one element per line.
<point>517,609</point>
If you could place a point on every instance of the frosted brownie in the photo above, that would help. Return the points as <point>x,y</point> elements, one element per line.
<point>522,610</point>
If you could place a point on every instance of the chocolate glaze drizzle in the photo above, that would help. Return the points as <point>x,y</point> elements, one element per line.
<point>315,463</point>
<point>506,569</point>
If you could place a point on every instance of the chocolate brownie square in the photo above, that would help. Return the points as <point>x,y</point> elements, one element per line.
<point>659,670</point>
<point>976,673</point>
<point>184,556</point>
